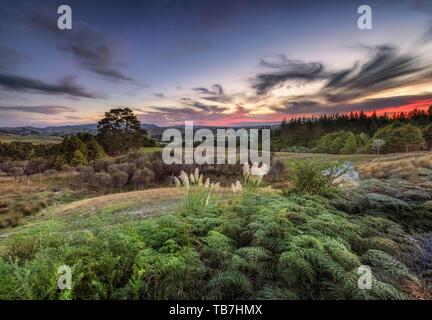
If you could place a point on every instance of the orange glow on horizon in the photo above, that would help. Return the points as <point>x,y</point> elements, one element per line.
<point>230,121</point>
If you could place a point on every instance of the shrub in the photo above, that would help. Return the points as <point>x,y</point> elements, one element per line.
<point>119,178</point>
<point>16,172</point>
<point>344,142</point>
<point>86,172</point>
<point>102,164</point>
<point>276,170</point>
<point>315,177</point>
<point>50,172</point>
<point>142,177</point>
<point>67,168</point>
<point>101,180</point>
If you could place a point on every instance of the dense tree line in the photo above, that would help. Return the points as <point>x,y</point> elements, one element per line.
<point>307,132</point>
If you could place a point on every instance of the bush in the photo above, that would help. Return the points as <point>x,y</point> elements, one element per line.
<point>50,172</point>
<point>102,164</point>
<point>16,172</point>
<point>342,142</point>
<point>101,180</point>
<point>276,170</point>
<point>315,177</point>
<point>86,172</point>
<point>119,178</point>
<point>142,177</point>
<point>67,168</point>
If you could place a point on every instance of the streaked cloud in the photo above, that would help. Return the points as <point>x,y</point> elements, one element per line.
<point>47,110</point>
<point>93,49</point>
<point>65,86</point>
<point>284,70</point>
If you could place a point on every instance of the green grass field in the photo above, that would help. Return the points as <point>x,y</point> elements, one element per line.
<point>35,139</point>
<point>147,150</point>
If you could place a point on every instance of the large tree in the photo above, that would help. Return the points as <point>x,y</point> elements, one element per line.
<point>120,131</point>
<point>400,137</point>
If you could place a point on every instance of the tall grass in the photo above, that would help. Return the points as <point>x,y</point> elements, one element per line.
<point>200,193</point>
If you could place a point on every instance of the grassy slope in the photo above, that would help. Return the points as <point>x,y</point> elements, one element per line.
<point>99,212</point>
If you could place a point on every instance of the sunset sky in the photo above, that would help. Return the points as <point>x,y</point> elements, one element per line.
<point>215,62</point>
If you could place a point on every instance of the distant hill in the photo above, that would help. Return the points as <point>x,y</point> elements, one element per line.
<point>58,130</point>
<point>153,130</point>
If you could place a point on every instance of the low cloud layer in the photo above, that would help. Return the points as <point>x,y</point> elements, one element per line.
<point>47,110</point>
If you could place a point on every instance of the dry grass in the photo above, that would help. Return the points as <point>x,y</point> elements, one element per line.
<point>354,158</point>
<point>104,211</point>
<point>403,165</point>
<point>21,197</point>
<point>135,198</point>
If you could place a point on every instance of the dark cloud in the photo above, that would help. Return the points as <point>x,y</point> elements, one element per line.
<point>386,69</point>
<point>215,90</point>
<point>159,95</point>
<point>215,93</point>
<point>285,70</point>
<point>66,86</point>
<point>9,58</point>
<point>94,51</point>
<point>315,107</point>
<point>211,109</point>
<point>48,110</point>
<point>190,110</point>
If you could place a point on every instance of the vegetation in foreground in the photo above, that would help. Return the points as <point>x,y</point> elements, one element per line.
<point>257,244</point>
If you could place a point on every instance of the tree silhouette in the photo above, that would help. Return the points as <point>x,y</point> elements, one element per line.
<point>120,131</point>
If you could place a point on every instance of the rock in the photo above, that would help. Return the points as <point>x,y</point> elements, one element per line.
<point>428,205</point>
